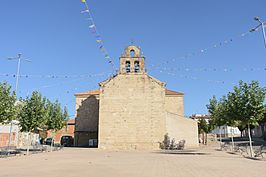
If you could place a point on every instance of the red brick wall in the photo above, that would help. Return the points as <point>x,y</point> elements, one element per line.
<point>4,139</point>
<point>68,130</point>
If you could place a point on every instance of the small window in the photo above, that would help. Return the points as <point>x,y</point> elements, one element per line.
<point>136,66</point>
<point>127,66</point>
<point>132,53</point>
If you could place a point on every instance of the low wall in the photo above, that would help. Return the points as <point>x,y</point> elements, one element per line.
<point>181,128</point>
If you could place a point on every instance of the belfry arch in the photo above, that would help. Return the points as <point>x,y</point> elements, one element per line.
<point>131,61</point>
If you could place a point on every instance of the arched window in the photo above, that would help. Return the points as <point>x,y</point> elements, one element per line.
<point>132,53</point>
<point>127,66</point>
<point>136,66</point>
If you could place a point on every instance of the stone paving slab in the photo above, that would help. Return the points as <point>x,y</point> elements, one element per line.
<point>74,162</point>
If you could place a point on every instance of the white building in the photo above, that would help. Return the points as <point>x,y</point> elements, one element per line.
<point>225,131</point>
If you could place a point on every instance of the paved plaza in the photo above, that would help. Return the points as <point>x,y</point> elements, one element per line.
<point>74,162</point>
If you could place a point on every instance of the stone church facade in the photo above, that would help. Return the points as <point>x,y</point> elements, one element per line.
<point>132,110</point>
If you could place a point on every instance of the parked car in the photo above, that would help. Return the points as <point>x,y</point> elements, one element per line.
<point>48,141</point>
<point>67,141</point>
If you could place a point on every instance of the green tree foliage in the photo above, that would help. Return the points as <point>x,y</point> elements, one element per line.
<point>40,113</point>
<point>7,103</point>
<point>216,111</point>
<point>246,103</point>
<point>33,113</point>
<point>243,107</point>
<point>56,117</point>
<point>204,128</point>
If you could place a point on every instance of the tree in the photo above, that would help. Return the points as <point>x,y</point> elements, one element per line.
<point>56,118</point>
<point>204,128</point>
<point>241,128</point>
<point>7,103</point>
<point>217,113</point>
<point>246,105</point>
<point>32,115</point>
<point>243,107</point>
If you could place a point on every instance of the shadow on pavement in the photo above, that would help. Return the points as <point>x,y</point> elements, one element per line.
<point>182,152</point>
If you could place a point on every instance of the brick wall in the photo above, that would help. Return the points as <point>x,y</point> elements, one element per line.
<point>4,139</point>
<point>67,130</point>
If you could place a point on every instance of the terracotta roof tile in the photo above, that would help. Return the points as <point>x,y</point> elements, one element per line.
<point>97,92</point>
<point>89,92</point>
<point>71,121</point>
<point>170,92</point>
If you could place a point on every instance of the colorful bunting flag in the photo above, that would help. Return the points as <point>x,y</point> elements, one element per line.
<point>92,26</point>
<point>85,11</point>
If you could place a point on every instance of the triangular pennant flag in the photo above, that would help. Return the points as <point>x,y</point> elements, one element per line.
<point>92,26</point>
<point>103,50</point>
<point>85,11</point>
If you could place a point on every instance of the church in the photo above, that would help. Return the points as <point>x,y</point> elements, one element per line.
<point>132,110</point>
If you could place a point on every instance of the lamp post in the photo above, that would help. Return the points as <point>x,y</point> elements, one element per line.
<point>262,25</point>
<point>18,68</point>
<point>16,90</point>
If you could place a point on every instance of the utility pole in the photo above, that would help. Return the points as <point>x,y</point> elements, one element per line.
<point>18,69</point>
<point>16,89</point>
<point>262,25</point>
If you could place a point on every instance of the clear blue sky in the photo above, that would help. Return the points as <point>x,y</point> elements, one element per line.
<point>56,37</point>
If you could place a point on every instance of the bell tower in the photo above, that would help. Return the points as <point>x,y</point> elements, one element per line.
<point>131,61</point>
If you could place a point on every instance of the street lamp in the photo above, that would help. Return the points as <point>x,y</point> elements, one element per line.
<point>18,68</point>
<point>262,25</point>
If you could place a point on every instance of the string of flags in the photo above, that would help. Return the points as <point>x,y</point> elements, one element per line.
<point>67,82</point>
<point>96,34</point>
<point>186,69</point>
<point>204,50</point>
<point>51,76</point>
<point>197,78</point>
<point>164,69</point>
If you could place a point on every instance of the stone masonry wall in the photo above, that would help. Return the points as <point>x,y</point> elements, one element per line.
<point>181,128</point>
<point>87,119</point>
<point>132,114</point>
<point>175,104</point>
